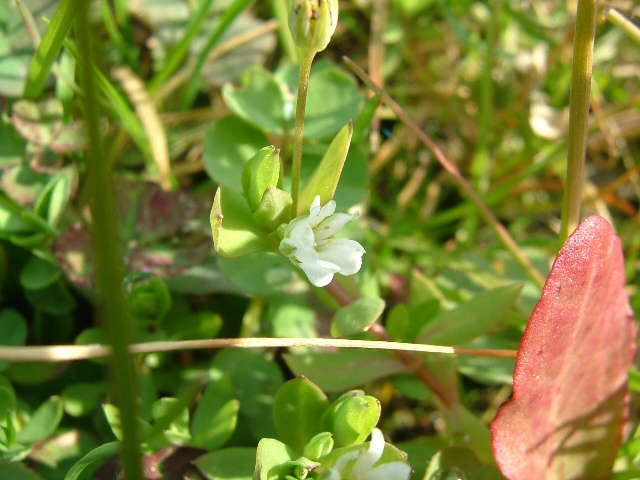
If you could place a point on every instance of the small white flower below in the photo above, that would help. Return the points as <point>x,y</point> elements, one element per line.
<point>308,242</point>
<point>359,465</point>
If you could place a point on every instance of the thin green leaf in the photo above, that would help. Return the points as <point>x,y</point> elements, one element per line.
<point>49,48</point>
<point>180,51</point>
<point>99,453</point>
<point>230,13</point>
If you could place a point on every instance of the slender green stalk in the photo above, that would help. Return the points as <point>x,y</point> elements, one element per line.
<point>481,164</point>
<point>106,254</point>
<point>624,24</point>
<point>579,100</point>
<point>306,59</point>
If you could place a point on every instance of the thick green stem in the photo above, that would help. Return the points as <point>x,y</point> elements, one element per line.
<point>306,58</point>
<point>107,258</point>
<point>579,101</point>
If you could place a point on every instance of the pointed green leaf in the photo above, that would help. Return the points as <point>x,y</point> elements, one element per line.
<point>363,122</point>
<point>325,178</point>
<point>99,453</point>
<point>43,422</point>
<point>471,319</point>
<point>327,370</point>
<point>465,428</point>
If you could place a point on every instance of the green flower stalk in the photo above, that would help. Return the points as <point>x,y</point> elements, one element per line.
<point>312,23</point>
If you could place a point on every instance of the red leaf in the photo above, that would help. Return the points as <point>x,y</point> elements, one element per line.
<point>570,396</point>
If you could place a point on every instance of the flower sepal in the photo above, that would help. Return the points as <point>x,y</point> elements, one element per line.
<point>235,232</point>
<point>274,209</point>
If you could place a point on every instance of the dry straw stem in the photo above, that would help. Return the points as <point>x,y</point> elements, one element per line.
<point>65,353</point>
<point>150,118</point>
<point>508,242</point>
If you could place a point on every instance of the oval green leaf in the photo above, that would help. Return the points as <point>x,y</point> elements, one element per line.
<point>356,317</point>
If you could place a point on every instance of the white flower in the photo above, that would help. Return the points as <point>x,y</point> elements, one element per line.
<point>309,244</point>
<point>362,464</point>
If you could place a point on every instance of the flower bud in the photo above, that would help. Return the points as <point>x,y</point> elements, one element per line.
<point>319,446</point>
<point>355,418</point>
<point>312,23</point>
<point>274,209</point>
<point>147,297</point>
<point>260,173</point>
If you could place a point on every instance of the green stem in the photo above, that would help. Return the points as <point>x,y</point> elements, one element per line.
<point>306,58</point>
<point>579,100</point>
<point>481,163</point>
<point>106,254</point>
<point>624,24</point>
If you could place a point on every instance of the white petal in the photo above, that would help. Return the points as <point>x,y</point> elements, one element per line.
<point>314,210</point>
<point>387,471</point>
<point>367,459</point>
<point>331,225</point>
<point>299,227</point>
<point>345,253</point>
<point>299,240</point>
<point>316,216</point>
<point>318,274</point>
<point>342,461</point>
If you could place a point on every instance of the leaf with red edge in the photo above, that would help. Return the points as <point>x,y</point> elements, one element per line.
<point>570,396</point>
